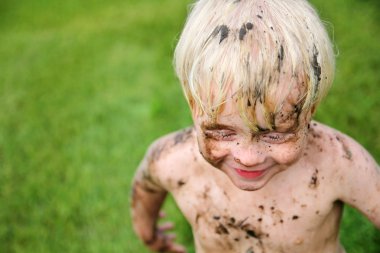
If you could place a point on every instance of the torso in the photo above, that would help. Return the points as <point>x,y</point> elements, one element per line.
<point>295,212</point>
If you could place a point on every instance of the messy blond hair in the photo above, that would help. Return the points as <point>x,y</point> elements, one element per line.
<point>247,48</point>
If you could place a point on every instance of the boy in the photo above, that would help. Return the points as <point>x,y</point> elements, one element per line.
<point>255,173</point>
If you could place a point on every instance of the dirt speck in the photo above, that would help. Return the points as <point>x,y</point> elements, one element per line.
<point>314,182</point>
<point>316,68</point>
<point>242,32</point>
<point>347,152</point>
<point>181,183</point>
<point>197,218</point>
<point>205,192</point>
<point>251,233</point>
<point>224,30</point>
<point>221,229</point>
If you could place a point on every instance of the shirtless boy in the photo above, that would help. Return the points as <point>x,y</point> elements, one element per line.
<point>255,173</point>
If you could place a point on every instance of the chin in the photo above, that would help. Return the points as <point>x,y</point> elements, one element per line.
<point>248,186</point>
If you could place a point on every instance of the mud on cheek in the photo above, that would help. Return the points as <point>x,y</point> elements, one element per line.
<point>211,151</point>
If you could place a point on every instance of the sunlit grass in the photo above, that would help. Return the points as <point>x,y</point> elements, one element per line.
<point>85,86</point>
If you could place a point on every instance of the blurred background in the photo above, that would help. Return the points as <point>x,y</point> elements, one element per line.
<point>86,86</point>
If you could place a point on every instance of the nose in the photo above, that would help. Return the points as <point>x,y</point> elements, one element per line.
<point>249,155</point>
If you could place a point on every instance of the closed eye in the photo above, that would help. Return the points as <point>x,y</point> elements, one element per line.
<point>276,138</point>
<point>220,134</point>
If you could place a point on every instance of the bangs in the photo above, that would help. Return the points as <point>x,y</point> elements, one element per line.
<point>247,68</point>
<point>253,51</point>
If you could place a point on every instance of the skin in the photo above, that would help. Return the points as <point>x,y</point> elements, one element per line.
<point>308,172</point>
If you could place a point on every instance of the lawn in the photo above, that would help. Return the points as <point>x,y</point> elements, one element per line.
<point>85,86</point>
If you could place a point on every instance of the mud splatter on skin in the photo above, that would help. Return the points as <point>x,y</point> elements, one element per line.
<point>346,150</point>
<point>314,182</point>
<point>181,183</point>
<point>259,16</point>
<point>209,143</point>
<point>206,192</point>
<point>227,196</point>
<point>216,217</point>
<point>226,224</point>
<point>220,230</point>
<point>295,217</point>
<point>250,250</point>
<point>156,153</point>
<point>277,216</point>
<point>314,133</point>
<point>197,218</point>
<point>251,233</point>
<point>183,136</point>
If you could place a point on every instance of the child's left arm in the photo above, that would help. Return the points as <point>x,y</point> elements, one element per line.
<point>359,180</point>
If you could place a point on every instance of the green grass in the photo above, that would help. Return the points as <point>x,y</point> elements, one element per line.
<point>85,86</point>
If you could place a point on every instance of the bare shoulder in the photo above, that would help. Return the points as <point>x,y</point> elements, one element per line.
<point>341,148</point>
<point>172,156</point>
<point>169,143</point>
<point>353,173</point>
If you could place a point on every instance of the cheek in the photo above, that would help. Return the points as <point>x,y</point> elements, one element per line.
<point>212,151</point>
<point>288,153</point>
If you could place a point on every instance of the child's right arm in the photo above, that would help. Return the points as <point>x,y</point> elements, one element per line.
<point>147,198</point>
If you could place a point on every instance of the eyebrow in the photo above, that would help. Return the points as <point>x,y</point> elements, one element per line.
<point>215,126</point>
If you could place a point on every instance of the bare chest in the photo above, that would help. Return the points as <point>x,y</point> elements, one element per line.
<point>288,220</point>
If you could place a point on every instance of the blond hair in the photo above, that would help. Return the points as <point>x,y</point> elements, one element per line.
<point>254,50</point>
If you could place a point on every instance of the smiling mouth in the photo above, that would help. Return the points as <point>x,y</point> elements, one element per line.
<point>250,174</point>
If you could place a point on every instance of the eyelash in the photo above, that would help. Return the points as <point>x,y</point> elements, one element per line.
<point>275,138</point>
<point>220,135</point>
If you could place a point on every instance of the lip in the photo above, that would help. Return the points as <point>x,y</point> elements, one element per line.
<point>250,174</point>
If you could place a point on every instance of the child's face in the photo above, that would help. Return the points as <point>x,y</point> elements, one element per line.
<point>250,159</point>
